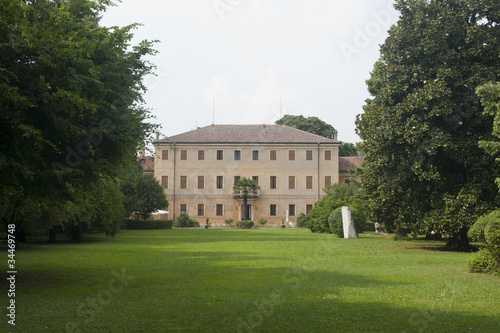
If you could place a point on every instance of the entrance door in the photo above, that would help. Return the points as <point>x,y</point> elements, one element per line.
<point>249,212</point>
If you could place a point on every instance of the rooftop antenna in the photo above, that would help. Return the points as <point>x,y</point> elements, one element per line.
<point>280,109</point>
<point>213,112</point>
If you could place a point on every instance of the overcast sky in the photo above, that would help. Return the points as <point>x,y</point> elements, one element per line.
<point>314,55</point>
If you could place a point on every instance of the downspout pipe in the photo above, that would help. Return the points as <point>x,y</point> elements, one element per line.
<point>175,178</point>
<point>319,180</point>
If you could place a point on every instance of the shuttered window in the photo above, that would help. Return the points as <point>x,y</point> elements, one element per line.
<point>164,154</point>
<point>164,181</point>
<point>220,155</point>
<point>272,155</point>
<point>201,210</point>
<point>309,155</point>
<point>201,155</point>
<point>309,182</point>
<point>220,182</point>
<point>328,155</point>
<point>291,155</point>
<point>184,155</point>
<point>272,182</point>
<point>328,181</point>
<point>291,182</point>
<point>201,182</point>
<point>183,181</point>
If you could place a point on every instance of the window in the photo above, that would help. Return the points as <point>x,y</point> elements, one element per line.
<point>220,155</point>
<point>309,182</point>
<point>256,179</point>
<point>291,155</point>
<point>291,182</point>
<point>255,155</point>
<point>236,179</point>
<point>237,155</point>
<point>164,154</point>
<point>201,155</point>
<point>328,181</point>
<point>309,155</point>
<point>184,155</point>
<point>201,210</point>
<point>219,210</point>
<point>183,181</point>
<point>328,155</point>
<point>272,155</point>
<point>183,208</point>
<point>201,182</point>
<point>272,182</point>
<point>164,181</point>
<point>220,182</point>
<point>308,208</point>
<point>291,210</point>
<point>272,210</point>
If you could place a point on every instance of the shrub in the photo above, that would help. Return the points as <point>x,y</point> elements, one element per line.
<point>245,224</point>
<point>148,224</point>
<point>487,231</point>
<point>262,222</point>
<point>228,222</point>
<point>335,222</point>
<point>336,225</point>
<point>302,220</point>
<point>184,221</point>
<point>339,195</point>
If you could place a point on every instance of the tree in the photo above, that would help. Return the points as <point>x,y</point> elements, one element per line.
<point>143,194</point>
<point>245,187</point>
<point>349,149</point>
<point>71,107</point>
<point>490,99</point>
<point>422,126</point>
<point>338,195</point>
<point>312,125</point>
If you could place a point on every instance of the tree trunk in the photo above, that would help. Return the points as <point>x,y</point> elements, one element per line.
<point>245,207</point>
<point>460,241</point>
<point>76,232</point>
<point>52,235</point>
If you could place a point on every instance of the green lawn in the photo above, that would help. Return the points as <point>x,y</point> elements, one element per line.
<point>267,280</point>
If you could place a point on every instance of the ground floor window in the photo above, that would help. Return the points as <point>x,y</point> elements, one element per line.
<point>219,210</point>
<point>183,208</point>
<point>272,210</point>
<point>201,210</point>
<point>291,210</point>
<point>308,208</point>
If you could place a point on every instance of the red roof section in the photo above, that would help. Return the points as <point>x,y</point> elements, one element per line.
<point>352,162</point>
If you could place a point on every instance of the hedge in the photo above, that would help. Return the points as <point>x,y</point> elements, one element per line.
<point>148,224</point>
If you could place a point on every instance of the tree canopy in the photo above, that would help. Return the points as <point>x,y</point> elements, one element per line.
<point>143,194</point>
<point>312,125</point>
<point>422,128</point>
<point>71,106</point>
<point>245,187</point>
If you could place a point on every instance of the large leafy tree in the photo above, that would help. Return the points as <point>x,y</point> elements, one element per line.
<point>245,187</point>
<point>423,165</point>
<point>143,194</point>
<point>312,125</point>
<point>71,107</point>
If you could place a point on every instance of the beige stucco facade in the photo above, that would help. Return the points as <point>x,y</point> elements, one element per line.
<point>198,177</point>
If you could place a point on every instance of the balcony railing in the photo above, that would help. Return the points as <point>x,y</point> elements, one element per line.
<point>250,195</point>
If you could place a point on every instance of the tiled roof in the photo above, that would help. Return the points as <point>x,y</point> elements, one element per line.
<point>346,163</point>
<point>247,134</point>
